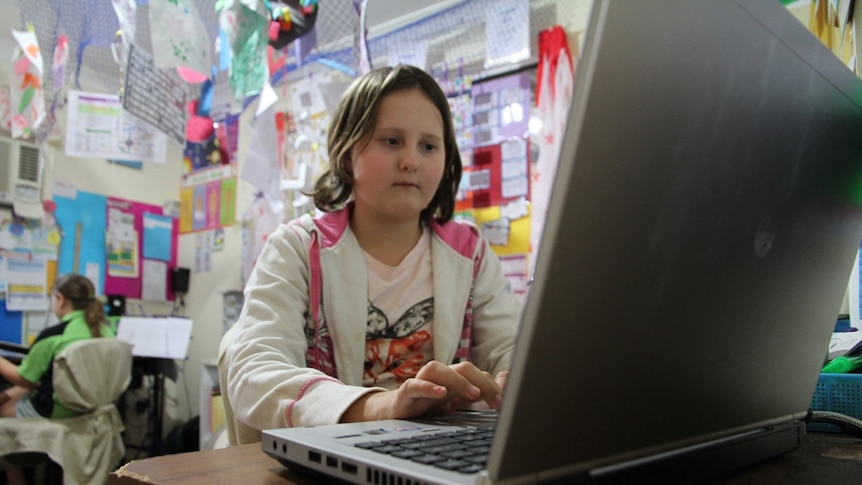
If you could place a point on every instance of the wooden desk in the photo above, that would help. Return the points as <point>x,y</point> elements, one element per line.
<point>825,458</point>
<point>235,465</point>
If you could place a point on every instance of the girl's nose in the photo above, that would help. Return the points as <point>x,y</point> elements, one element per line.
<point>409,160</point>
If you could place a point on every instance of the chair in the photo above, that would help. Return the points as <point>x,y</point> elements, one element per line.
<point>89,376</point>
<point>237,432</point>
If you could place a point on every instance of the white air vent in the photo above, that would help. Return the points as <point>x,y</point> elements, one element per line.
<point>20,174</point>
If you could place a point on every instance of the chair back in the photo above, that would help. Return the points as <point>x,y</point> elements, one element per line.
<point>92,373</point>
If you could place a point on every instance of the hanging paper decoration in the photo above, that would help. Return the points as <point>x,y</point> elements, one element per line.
<point>245,24</point>
<point>277,61</point>
<point>180,39</point>
<point>360,41</point>
<point>58,66</point>
<point>127,18</point>
<point>554,85</point>
<point>5,109</point>
<point>25,87</point>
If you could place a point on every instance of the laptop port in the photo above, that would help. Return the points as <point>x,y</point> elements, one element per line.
<point>332,461</point>
<point>314,456</point>
<point>349,468</point>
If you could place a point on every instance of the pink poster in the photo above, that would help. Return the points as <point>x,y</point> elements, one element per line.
<point>131,287</point>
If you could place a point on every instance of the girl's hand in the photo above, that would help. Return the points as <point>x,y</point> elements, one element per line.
<point>436,389</point>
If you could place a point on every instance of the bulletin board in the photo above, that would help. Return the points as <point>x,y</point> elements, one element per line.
<point>126,245</point>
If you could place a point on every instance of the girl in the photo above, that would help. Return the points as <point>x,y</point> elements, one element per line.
<point>381,307</point>
<point>81,317</point>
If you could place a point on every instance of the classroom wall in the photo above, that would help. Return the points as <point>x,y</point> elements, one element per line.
<point>204,299</point>
<point>154,184</point>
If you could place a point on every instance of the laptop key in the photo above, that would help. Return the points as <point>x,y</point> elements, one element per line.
<point>414,445</point>
<point>471,469</point>
<point>450,464</point>
<point>386,449</point>
<point>457,453</point>
<point>427,458</point>
<point>477,459</point>
<point>440,449</point>
<point>406,454</point>
<point>440,442</point>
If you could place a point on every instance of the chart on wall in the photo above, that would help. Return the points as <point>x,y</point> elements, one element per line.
<point>98,127</point>
<point>208,199</point>
<point>127,247</point>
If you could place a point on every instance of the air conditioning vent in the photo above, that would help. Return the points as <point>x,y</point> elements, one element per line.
<point>28,163</point>
<point>21,177</point>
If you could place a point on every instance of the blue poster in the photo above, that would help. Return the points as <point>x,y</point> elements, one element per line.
<point>83,222</point>
<point>11,325</point>
<point>157,236</point>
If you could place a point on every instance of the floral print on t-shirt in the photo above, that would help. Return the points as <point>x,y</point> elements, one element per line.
<point>397,350</point>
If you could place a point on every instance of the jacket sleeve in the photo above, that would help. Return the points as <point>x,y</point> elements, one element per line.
<point>496,315</point>
<point>269,385</point>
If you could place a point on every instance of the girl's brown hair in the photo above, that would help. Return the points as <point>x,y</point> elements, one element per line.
<point>353,123</point>
<point>81,294</point>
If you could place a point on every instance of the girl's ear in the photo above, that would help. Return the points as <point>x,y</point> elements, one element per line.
<point>63,302</point>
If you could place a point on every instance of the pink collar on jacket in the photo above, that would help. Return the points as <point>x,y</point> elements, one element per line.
<point>460,237</point>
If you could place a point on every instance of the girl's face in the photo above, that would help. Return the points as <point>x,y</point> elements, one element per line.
<point>397,172</point>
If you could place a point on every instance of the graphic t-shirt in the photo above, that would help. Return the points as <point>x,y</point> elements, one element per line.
<point>400,317</point>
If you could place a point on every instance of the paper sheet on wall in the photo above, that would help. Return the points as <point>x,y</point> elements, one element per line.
<point>157,236</point>
<point>97,127</point>
<point>155,280</point>
<point>26,287</point>
<point>262,168</point>
<point>121,244</point>
<point>507,31</point>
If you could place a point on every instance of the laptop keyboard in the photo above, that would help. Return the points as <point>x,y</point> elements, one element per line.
<point>465,450</point>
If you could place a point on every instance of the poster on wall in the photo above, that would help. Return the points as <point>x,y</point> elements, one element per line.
<point>98,127</point>
<point>113,242</point>
<point>208,199</point>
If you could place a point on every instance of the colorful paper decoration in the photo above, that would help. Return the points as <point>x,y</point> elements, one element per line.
<point>26,94</point>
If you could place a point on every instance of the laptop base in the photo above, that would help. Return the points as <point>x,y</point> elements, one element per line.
<point>713,462</point>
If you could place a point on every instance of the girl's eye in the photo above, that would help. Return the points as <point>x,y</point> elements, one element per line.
<point>429,147</point>
<point>390,140</point>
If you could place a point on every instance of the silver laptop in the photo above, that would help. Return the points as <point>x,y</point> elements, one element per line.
<point>702,227</point>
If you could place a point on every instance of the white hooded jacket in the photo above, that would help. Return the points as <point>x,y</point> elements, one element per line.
<point>264,366</point>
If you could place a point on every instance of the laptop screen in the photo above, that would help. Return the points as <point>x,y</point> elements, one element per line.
<point>699,238</point>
